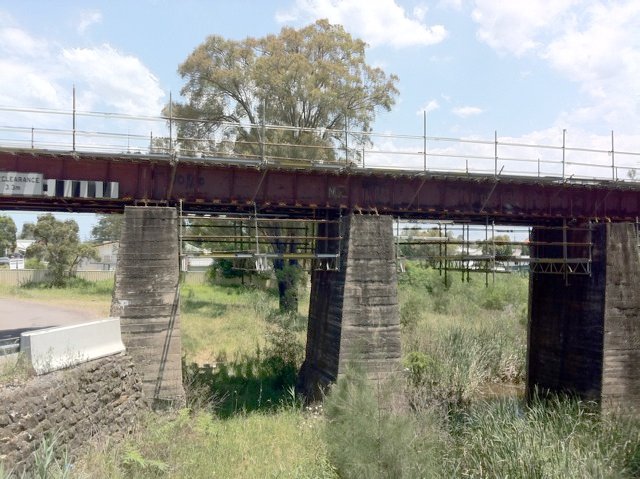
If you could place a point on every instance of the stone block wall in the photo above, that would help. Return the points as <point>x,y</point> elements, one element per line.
<point>146,298</point>
<point>621,356</point>
<point>584,333</point>
<point>354,312</point>
<point>566,321</point>
<point>99,397</point>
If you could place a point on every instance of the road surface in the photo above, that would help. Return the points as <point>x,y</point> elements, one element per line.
<point>18,316</point>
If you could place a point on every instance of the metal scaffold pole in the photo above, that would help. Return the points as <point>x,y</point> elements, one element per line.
<point>74,119</point>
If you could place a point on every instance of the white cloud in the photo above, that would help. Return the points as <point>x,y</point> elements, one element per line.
<point>88,18</point>
<point>467,111</point>
<point>37,72</point>
<point>26,74</point>
<point>420,12</point>
<point>119,81</point>
<point>515,26</point>
<point>16,42</point>
<point>378,22</point>
<point>591,43</point>
<point>430,106</point>
<point>600,50</point>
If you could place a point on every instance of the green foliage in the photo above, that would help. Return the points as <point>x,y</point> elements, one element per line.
<point>135,464</point>
<point>224,268</point>
<point>554,438</point>
<point>419,366</point>
<point>107,228</point>
<point>27,231</point>
<point>241,386</point>
<point>314,77</point>
<point>261,382</point>
<point>460,336</point>
<point>425,244</point>
<point>34,263</point>
<point>7,235</point>
<point>289,277</point>
<point>285,443</point>
<point>50,461</point>
<point>368,435</point>
<point>57,243</point>
<point>499,245</point>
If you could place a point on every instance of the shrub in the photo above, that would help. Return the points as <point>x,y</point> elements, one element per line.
<point>555,438</point>
<point>224,268</point>
<point>368,434</point>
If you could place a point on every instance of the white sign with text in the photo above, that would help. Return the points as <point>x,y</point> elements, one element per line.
<point>20,184</point>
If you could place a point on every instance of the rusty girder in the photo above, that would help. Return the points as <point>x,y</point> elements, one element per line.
<point>236,185</point>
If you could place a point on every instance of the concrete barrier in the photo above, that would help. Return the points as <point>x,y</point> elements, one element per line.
<point>60,347</point>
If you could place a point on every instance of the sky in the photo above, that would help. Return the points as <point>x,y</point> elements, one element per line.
<point>526,69</point>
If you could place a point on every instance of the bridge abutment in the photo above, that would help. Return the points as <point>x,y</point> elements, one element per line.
<point>584,331</point>
<point>146,298</point>
<point>353,312</point>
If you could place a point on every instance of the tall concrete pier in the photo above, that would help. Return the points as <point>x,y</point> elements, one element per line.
<point>353,312</point>
<point>146,298</point>
<point>584,331</point>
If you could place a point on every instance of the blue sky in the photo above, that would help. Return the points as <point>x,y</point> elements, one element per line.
<point>526,68</point>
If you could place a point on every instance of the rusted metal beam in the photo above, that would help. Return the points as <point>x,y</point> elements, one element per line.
<point>306,191</point>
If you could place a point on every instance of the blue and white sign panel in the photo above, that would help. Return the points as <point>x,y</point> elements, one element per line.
<point>20,184</point>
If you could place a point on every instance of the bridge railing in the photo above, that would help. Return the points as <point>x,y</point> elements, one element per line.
<point>83,131</point>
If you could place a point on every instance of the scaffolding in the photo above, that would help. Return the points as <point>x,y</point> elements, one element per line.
<point>466,248</point>
<point>254,241</point>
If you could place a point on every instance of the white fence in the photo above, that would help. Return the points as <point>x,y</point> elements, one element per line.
<point>17,277</point>
<point>23,276</point>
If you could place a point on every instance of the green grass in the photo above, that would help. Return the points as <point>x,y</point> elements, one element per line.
<point>78,294</point>
<point>287,443</point>
<point>460,341</point>
<point>14,369</point>
<point>230,323</point>
<point>462,337</point>
<point>220,323</point>
<point>558,438</point>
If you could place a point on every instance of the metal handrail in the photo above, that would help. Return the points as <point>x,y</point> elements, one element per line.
<point>123,133</point>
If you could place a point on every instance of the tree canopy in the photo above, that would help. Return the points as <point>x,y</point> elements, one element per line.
<point>58,244</point>
<point>7,235</point>
<point>27,231</point>
<point>108,228</point>
<point>500,245</point>
<point>314,77</point>
<point>313,81</point>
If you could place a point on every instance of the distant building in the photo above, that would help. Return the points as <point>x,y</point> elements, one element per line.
<point>22,245</point>
<point>193,259</point>
<point>17,262</point>
<point>107,258</point>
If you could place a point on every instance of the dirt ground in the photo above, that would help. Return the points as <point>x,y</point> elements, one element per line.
<point>17,316</point>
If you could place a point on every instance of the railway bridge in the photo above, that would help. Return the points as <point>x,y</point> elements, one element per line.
<point>584,306</point>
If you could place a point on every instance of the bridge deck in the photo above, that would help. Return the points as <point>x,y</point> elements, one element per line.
<point>223,184</point>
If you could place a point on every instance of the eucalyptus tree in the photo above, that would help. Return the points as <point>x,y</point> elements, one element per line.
<point>57,243</point>
<point>314,81</point>
<point>287,97</point>
<point>7,235</point>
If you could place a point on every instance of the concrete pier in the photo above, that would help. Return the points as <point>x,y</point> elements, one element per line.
<point>584,332</point>
<point>353,312</point>
<point>146,298</point>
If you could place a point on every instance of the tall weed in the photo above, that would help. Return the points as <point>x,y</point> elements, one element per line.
<point>369,435</point>
<point>555,438</point>
<point>460,336</point>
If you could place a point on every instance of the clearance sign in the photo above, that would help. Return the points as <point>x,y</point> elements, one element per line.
<point>20,184</point>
